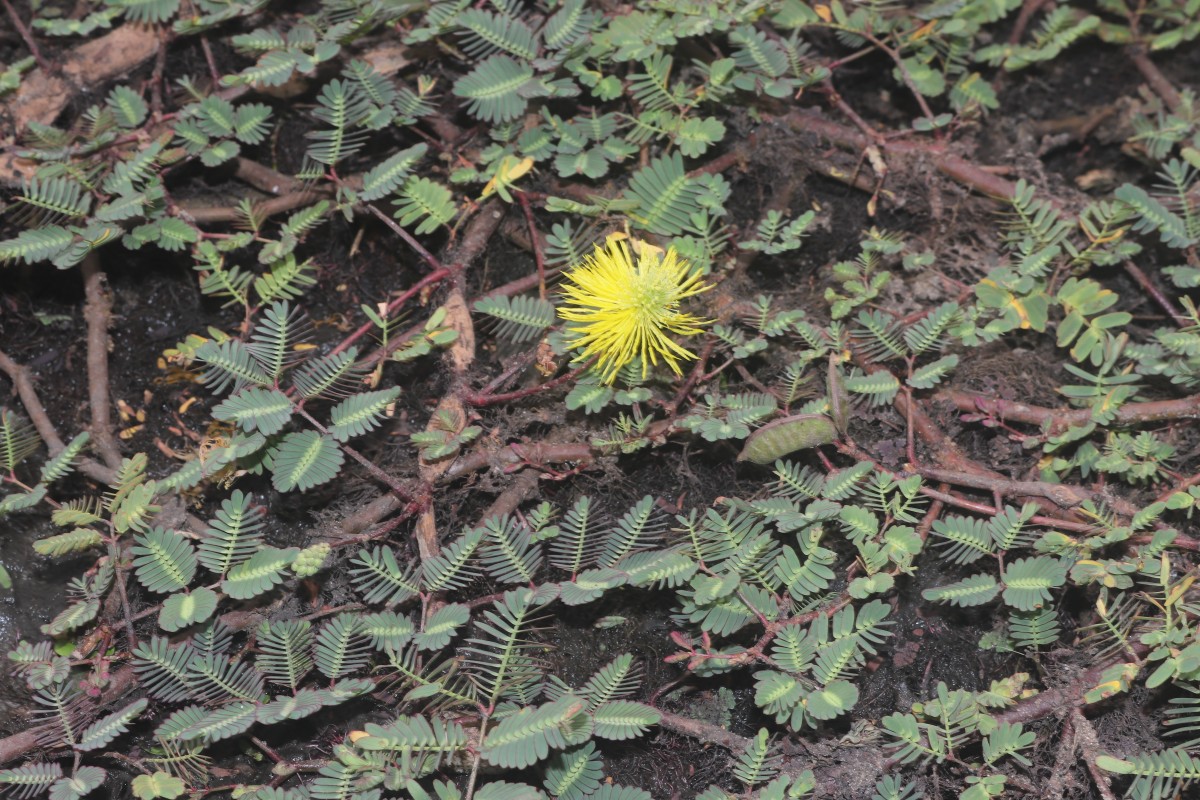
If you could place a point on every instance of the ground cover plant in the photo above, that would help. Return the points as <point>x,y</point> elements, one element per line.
<point>575,399</point>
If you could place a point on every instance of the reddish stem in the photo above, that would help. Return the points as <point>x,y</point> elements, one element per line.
<point>425,255</point>
<point>536,241</point>
<point>483,399</point>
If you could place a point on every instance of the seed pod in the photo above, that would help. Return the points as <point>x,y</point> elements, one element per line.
<point>777,439</point>
<point>839,401</point>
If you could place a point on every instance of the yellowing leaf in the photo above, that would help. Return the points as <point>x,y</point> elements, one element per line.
<point>509,171</point>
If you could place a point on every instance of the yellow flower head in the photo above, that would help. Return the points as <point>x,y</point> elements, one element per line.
<point>620,310</point>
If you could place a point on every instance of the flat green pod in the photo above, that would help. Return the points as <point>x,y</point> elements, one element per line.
<point>798,432</point>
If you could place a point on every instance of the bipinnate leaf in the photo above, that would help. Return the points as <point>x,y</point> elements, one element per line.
<point>84,781</point>
<point>624,719</point>
<point>526,737</point>
<point>30,780</point>
<point>256,409</point>
<point>164,559</point>
<point>973,591</point>
<point>360,413</point>
<point>572,774</point>
<point>303,460</point>
<point>260,573</point>
<point>441,626</point>
<point>105,729</point>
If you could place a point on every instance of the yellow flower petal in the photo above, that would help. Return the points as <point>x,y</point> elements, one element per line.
<point>619,309</point>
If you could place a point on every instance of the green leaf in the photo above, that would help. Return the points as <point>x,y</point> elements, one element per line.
<point>442,626</point>
<point>284,647</point>
<point>931,374</point>
<point>973,591</point>
<point>132,510</point>
<point>233,535</point>
<point>1168,766</point>
<point>273,69</point>
<point>615,791</point>
<point>574,773</point>
<point>328,376</point>
<point>273,343</point>
<point>264,410</point>
<point>833,700</point>
<point>160,784</point>
<point>967,538</point>
<point>755,764</point>
<point>222,723</point>
<point>519,319</point>
<point>53,200</point>
<point>508,552</point>
<point>249,123</point>
<point>892,788</point>
<point>36,245</point>
<point>492,89</point>
<point>453,567</point>
<point>65,543</point>
<point>286,278</point>
<point>260,573</point>
<point>361,413</point>
<point>382,179</point>
<point>638,528</point>
<point>29,780</point>
<point>488,32</point>
<point>163,670</point>
<point>1027,581</point>
<point>105,729</point>
<point>425,200</point>
<point>590,395</point>
<point>62,464</point>
<point>127,106</point>
<point>341,647</point>
<point>84,781</point>
<point>623,719</point>
<point>388,630</point>
<point>1008,740</point>
<point>230,364</point>
<point>182,610</point>
<point>303,460</point>
<point>526,737</point>
<point>165,560</point>
<point>377,576</point>
<point>148,10</point>
<point>667,197</point>
<point>216,677</point>
<point>1034,628</point>
<point>18,439</point>
<point>697,134</point>
<point>343,106</point>
<point>1154,216</point>
<point>415,736</point>
<point>880,387</point>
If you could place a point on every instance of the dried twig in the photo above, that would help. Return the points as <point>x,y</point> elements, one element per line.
<point>1154,77</point>
<point>408,238</point>
<point>1089,749</point>
<point>23,383</point>
<point>704,731</point>
<point>1059,419</point>
<point>27,37</point>
<point>96,312</point>
<point>1164,302</point>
